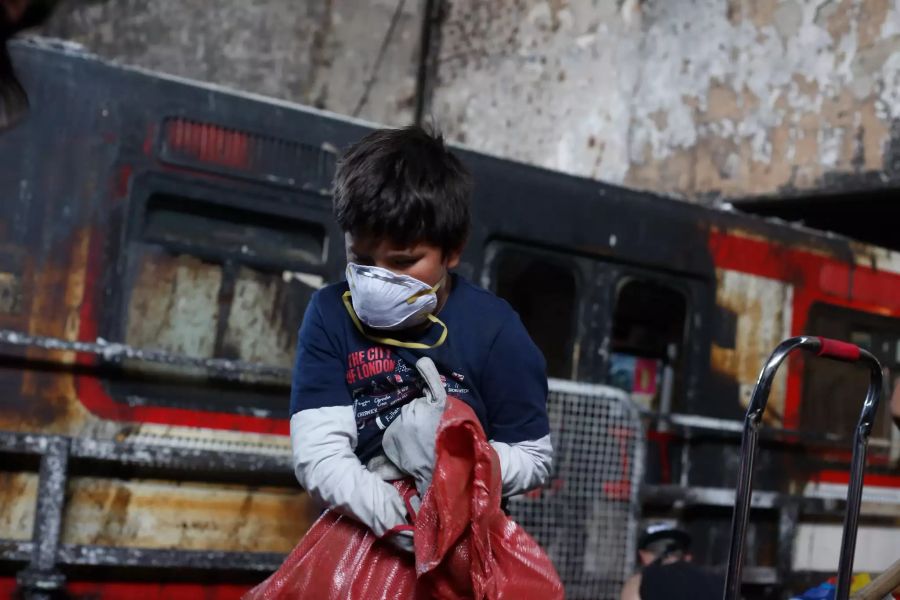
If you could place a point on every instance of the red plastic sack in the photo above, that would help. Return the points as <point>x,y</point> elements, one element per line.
<point>340,558</point>
<point>465,546</point>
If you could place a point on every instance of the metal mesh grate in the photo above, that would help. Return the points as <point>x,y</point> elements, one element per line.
<point>586,518</point>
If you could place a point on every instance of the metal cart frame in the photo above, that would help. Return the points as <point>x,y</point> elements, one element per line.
<point>827,348</point>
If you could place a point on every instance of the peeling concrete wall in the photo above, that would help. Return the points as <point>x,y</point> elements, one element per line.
<point>318,52</point>
<point>691,97</point>
<point>696,98</point>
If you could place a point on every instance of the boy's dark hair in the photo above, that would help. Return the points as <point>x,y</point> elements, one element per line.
<point>406,185</point>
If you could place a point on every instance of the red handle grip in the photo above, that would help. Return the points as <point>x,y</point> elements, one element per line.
<point>838,350</point>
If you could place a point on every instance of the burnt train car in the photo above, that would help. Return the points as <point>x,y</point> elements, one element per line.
<point>160,239</point>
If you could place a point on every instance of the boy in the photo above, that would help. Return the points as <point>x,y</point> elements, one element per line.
<point>402,200</point>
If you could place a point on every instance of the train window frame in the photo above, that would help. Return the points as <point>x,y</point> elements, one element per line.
<point>853,320</point>
<point>572,264</point>
<point>132,245</point>
<point>683,360</point>
<point>300,208</point>
<point>201,227</point>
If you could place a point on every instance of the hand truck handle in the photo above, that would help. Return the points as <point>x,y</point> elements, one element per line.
<point>838,350</point>
<point>834,350</point>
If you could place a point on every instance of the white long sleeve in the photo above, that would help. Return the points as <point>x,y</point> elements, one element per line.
<point>323,440</point>
<point>524,465</point>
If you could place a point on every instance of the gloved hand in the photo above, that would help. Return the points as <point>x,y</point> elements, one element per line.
<point>401,536</point>
<point>402,539</point>
<point>409,440</point>
<point>323,440</point>
<point>382,466</point>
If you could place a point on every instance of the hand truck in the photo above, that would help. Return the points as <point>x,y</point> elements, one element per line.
<point>834,350</point>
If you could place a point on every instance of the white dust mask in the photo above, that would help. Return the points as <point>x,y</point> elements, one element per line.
<point>384,300</point>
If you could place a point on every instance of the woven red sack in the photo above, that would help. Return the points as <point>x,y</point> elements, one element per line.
<point>466,547</point>
<point>339,558</point>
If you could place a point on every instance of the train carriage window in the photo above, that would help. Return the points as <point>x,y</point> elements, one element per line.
<point>224,230</point>
<point>833,392</point>
<point>210,280</point>
<point>543,289</point>
<point>647,338</point>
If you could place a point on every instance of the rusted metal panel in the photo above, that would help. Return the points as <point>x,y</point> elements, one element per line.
<point>113,513</point>
<point>51,295</point>
<point>185,515</point>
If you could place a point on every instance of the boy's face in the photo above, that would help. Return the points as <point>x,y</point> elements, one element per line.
<point>425,262</point>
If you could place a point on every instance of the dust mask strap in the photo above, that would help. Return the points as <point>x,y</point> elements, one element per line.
<point>347,299</point>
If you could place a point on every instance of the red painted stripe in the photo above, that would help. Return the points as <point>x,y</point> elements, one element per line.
<point>843,477</point>
<point>830,278</point>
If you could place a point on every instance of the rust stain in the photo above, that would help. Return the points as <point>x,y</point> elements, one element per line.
<point>115,510</point>
<point>185,515</point>
<point>18,494</point>
<point>47,400</point>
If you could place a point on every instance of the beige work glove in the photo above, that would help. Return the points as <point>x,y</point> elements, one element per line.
<point>409,440</point>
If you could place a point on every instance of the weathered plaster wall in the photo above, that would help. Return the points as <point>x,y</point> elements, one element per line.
<point>697,98</point>
<point>692,97</point>
<point>318,52</point>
